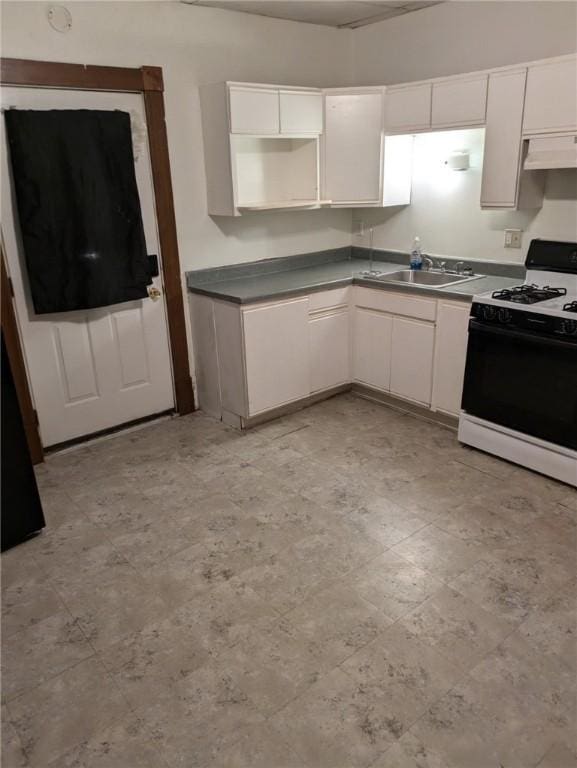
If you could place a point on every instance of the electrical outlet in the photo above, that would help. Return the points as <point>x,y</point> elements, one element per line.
<point>513,238</point>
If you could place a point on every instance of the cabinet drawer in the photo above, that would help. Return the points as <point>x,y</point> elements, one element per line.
<point>396,303</point>
<point>459,102</point>
<point>329,299</point>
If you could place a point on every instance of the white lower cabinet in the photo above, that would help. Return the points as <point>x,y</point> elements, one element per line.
<point>252,359</point>
<point>412,359</point>
<point>276,348</point>
<point>450,355</point>
<point>329,350</point>
<point>372,348</point>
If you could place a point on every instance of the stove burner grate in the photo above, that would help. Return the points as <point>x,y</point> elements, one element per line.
<point>529,294</point>
<point>570,307</point>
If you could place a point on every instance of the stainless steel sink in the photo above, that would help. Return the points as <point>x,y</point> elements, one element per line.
<point>429,277</point>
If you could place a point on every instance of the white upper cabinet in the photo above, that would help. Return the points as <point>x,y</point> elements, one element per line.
<point>273,147</point>
<point>259,110</point>
<point>301,112</point>
<point>261,147</point>
<point>504,183</point>
<point>397,170</point>
<point>502,156</point>
<point>459,102</point>
<point>353,147</point>
<point>408,108</point>
<point>362,167</point>
<point>551,97</point>
<point>254,110</point>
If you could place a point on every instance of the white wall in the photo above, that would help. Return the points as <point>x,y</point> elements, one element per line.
<point>452,38</point>
<point>445,210</point>
<point>194,46</point>
<point>458,36</point>
<point>197,45</point>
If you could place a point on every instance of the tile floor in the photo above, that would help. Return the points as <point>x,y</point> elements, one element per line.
<point>341,588</point>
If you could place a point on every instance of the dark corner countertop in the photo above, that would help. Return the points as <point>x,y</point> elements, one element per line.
<point>307,273</point>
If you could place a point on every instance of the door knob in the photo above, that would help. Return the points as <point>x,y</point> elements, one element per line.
<point>154,293</point>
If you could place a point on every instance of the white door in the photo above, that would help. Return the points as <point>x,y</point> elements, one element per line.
<point>94,369</point>
<point>412,359</point>
<point>450,356</point>
<point>254,110</point>
<point>502,153</point>
<point>330,350</point>
<point>372,348</point>
<point>408,108</point>
<point>551,97</point>
<point>353,148</point>
<point>301,112</point>
<point>459,102</point>
<point>276,354</point>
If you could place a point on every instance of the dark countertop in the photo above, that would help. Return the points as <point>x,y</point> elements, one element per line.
<point>306,279</point>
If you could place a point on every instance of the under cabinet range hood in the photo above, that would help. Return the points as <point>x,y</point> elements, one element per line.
<point>551,152</point>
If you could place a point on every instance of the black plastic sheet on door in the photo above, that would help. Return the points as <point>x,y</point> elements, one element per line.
<point>78,207</point>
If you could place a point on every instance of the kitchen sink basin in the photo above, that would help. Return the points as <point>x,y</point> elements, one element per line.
<point>416,277</point>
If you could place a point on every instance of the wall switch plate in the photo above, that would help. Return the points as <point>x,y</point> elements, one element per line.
<point>513,238</point>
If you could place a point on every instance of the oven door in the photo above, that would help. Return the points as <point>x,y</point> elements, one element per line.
<point>524,381</point>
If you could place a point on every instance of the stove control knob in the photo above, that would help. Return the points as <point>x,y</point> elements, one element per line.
<point>569,327</point>
<point>505,315</point>
<point>489,312</point>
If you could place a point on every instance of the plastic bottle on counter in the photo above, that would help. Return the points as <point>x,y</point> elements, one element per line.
<point>416,261</point>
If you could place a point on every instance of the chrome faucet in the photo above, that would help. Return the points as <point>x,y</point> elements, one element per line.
<point>463,269</point>
<point>428,262</point>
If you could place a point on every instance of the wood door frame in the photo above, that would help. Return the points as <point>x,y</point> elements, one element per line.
<point>147,81</point>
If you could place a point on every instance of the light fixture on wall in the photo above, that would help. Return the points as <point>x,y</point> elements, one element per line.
<point>59,18</point>
<point>458,160</point>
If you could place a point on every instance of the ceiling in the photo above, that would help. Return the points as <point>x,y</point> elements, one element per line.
<point>332,13</point>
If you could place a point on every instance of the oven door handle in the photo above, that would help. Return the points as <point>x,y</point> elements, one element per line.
<point>532,338</point>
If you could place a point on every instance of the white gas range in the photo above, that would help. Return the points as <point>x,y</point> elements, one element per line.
<point>520,391</point>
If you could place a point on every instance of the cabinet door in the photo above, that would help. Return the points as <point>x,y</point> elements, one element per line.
<point>301,112</point>
<point>450,354</point>
<point>397,169</point>
<point>459,102</point>
<point>372,348</point>
<point>353,148</point>
<point>502,156</point>
<point>412,359</point>
<point>254,110</point>
<point>551,97</point>
<point>276,354</point>
<point>329,350</point>
<point>408,108</point>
